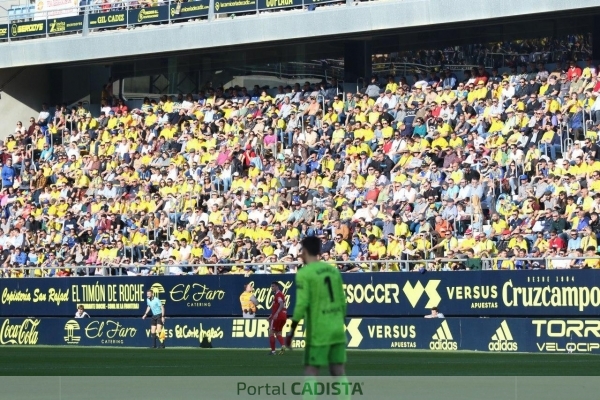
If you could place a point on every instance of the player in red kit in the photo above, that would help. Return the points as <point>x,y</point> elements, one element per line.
<point>277,318</point>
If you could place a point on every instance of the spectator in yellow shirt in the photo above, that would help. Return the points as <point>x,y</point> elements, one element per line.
<point>591,251</point>
<point>502,263</point>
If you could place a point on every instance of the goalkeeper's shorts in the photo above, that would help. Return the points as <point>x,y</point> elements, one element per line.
<point>323,356</point>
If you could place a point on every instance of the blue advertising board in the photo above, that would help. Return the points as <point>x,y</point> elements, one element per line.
<point>379,294</point>
<point>452,334</point>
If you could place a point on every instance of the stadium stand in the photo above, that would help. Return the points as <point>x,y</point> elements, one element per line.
<point>504,54</point>
<point>440,175</point>
<point>63,18</point>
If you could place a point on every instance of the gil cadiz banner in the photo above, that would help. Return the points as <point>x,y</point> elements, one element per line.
<point>543,335</point>
<point>474,293</point>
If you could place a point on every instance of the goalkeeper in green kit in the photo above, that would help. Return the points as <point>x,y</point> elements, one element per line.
<point>321,302</point>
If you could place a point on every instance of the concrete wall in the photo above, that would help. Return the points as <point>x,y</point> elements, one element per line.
<point>324,21</point>
<point>80,75</point>
<point>23,92</point>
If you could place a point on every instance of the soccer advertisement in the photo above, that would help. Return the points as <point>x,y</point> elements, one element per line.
<point>370,295</point>
<point>451,334</point>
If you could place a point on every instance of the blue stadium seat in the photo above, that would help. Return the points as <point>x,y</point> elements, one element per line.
<point>29,12</point>
<point>18,13</point>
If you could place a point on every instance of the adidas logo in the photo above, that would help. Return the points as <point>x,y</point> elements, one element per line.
<point>442,339</point>
<point>503,340</point>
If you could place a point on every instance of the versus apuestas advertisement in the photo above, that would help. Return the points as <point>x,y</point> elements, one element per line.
<point>474,293</point>
<point>452,334</point>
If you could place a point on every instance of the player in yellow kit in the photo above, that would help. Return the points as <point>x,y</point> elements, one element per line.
<point>321,302</point>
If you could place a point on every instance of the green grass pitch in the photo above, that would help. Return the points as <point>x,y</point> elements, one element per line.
<point>97,361</point>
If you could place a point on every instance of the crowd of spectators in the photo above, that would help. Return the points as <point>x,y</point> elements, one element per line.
<point>501,54</point>
<point>493,166</point>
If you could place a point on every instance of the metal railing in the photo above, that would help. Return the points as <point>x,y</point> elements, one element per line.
<point>316,69</point>
<point>358,82</point>
<point>384,265</point>
<point>321,100</point>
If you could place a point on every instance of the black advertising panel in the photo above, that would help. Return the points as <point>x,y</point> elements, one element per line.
<point>67,24</point>
<point>233,6</point>
<point>189,10</point>
<point>274,4</point>
<point>24,29</point>
<point>108,19</point>
<point>148,15</point>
